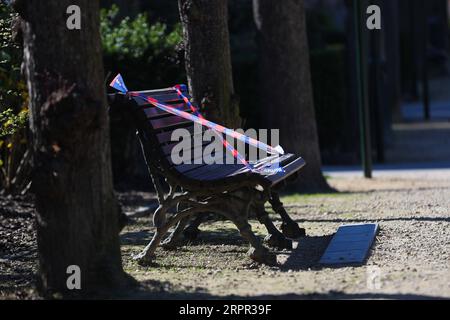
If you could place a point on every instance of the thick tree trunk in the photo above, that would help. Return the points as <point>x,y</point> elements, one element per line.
<point>77,222</point>
<point>208,62</point>
<point>285,84</point>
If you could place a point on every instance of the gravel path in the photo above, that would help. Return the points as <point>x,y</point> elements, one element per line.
<point>17,247</point>
<point>410,258</point>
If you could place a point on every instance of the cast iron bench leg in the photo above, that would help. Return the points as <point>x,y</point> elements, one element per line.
<point>191,231</point>
<point>159,221</point>
<point>182,233</point>
<point>175,239</point>
<point>275,238</point>
<point>257,251</point>
<point>230,207</point>
<point>162,227</point>
<point>289,227</point>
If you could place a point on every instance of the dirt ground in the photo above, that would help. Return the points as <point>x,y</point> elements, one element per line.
<point>409,260</point>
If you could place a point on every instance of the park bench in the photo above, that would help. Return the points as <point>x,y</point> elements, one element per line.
<point>185,190</point>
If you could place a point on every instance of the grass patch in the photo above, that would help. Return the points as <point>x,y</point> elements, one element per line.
<point>297,197</point>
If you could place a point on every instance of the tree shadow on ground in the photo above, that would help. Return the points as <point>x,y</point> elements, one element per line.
<point>218,236</point>
<point>305,256</point>
<point>162,290</point>
<point>136,238</point>
<point>335,192</point>
<point>356,220</point>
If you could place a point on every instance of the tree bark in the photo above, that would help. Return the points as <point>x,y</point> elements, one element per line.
<point>207,58</point>
<point>77,212</point>
<point>285,84</point>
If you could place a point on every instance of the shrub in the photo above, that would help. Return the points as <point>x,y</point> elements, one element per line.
<point>11,123</point>
<point>13,102</point>
<point>146,53</point>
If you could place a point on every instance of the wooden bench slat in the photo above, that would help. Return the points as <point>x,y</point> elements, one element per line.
<point>195,151</point>
<point>193,144</point>
<point>144,103</point>
<point>201,171</point>
<point>261,162</point>
<point>182,168</point>
<point>169,122</point>
<point>162,91</point>
<point>225,171</point>
<point>166,136</point>
<point>153,112</point>
<point>213,171</point>
<point>289,169</point>
<point>162,124</point>
<point>162,97</point>
<point>194,158</point>
<point>167,149</point>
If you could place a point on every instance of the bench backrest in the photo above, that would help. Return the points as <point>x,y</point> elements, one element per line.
<point>156,127</point>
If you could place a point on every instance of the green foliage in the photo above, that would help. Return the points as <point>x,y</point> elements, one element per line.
<point>13,100</point>
<point>11,123</point>
<point>12,88</point>
<point>134,38</point>
<point>145,53</point>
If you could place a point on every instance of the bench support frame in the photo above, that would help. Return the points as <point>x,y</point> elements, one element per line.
<point>235,199</point>
<point>235,205</point>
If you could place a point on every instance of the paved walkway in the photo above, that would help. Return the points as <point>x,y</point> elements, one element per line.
<point>430,170</point>
<point>439,102</point>
<point>416,140</point>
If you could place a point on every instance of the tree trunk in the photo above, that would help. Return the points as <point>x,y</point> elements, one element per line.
<point>208,62</point>
<point>285,84</point>
<point>77,220</point>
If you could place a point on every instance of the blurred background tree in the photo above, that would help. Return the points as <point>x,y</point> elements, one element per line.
<point>208,61</point>
<point>286,97</point>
